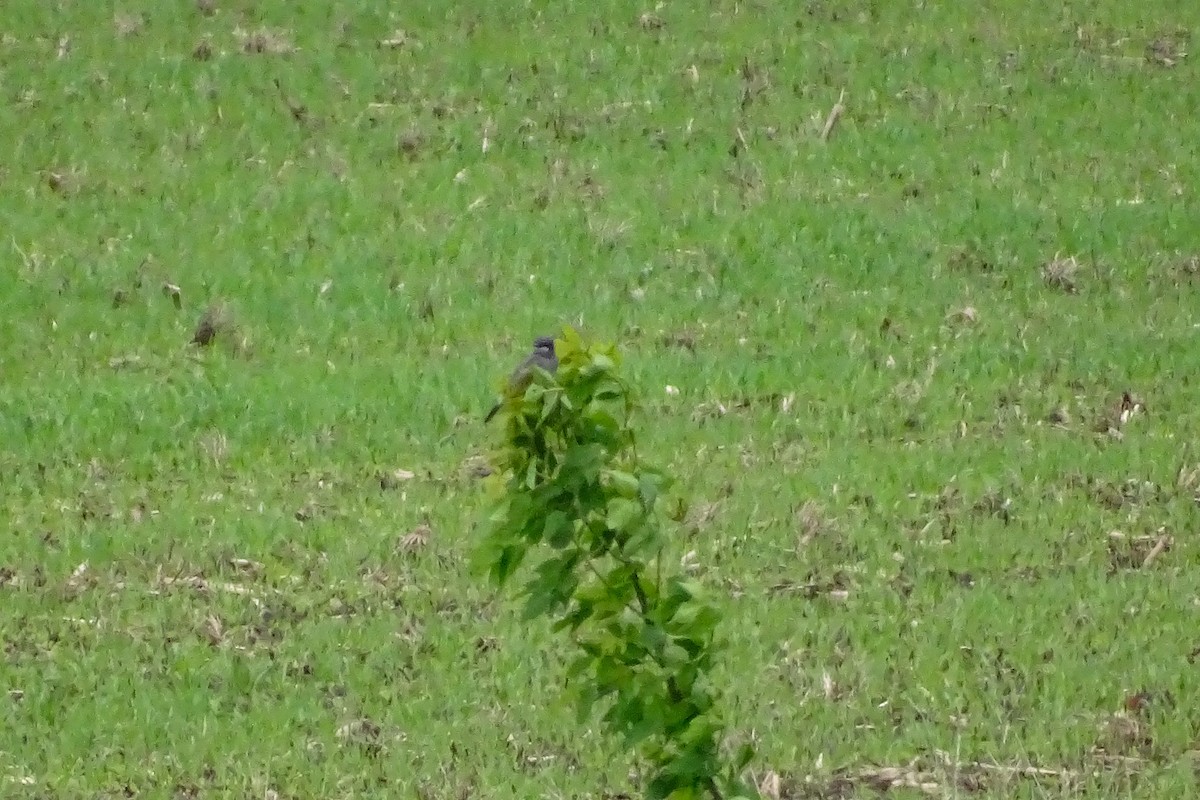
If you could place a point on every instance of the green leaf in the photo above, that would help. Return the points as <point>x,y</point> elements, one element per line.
<point>558,530</point>
<point>674,656</point>
<point>603,363</point>
<point>550,401</point>
<point>623,483</point>
<point>622,515</point>
<point>531,474</point>
<point>553,584</point>
<point>646,542</point>
<point>608,391</point>
<point>677,510</point>
<point>653,638</point>
<point>506,564</point>
<point>648,489</point>
<point>603,418</point>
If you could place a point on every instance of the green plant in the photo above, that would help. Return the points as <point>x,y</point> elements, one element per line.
<point>885,417</point>
<point>574,495</point>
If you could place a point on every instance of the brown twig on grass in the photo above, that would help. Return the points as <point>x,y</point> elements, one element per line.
<point>1159,548</point>
<point>835,114</point>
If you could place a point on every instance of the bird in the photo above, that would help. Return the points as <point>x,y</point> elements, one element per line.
<point>542,357</point>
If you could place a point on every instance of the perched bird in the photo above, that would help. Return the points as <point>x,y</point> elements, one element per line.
<point>542,356</point>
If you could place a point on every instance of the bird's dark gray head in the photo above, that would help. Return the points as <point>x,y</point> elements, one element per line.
<point>544,343</point>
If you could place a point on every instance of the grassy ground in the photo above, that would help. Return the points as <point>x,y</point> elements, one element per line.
<point>936,376</point>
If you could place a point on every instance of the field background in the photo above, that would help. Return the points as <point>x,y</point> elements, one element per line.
<point>935,385</point>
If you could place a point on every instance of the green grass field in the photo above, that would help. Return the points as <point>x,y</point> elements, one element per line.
<point>934,385</point>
